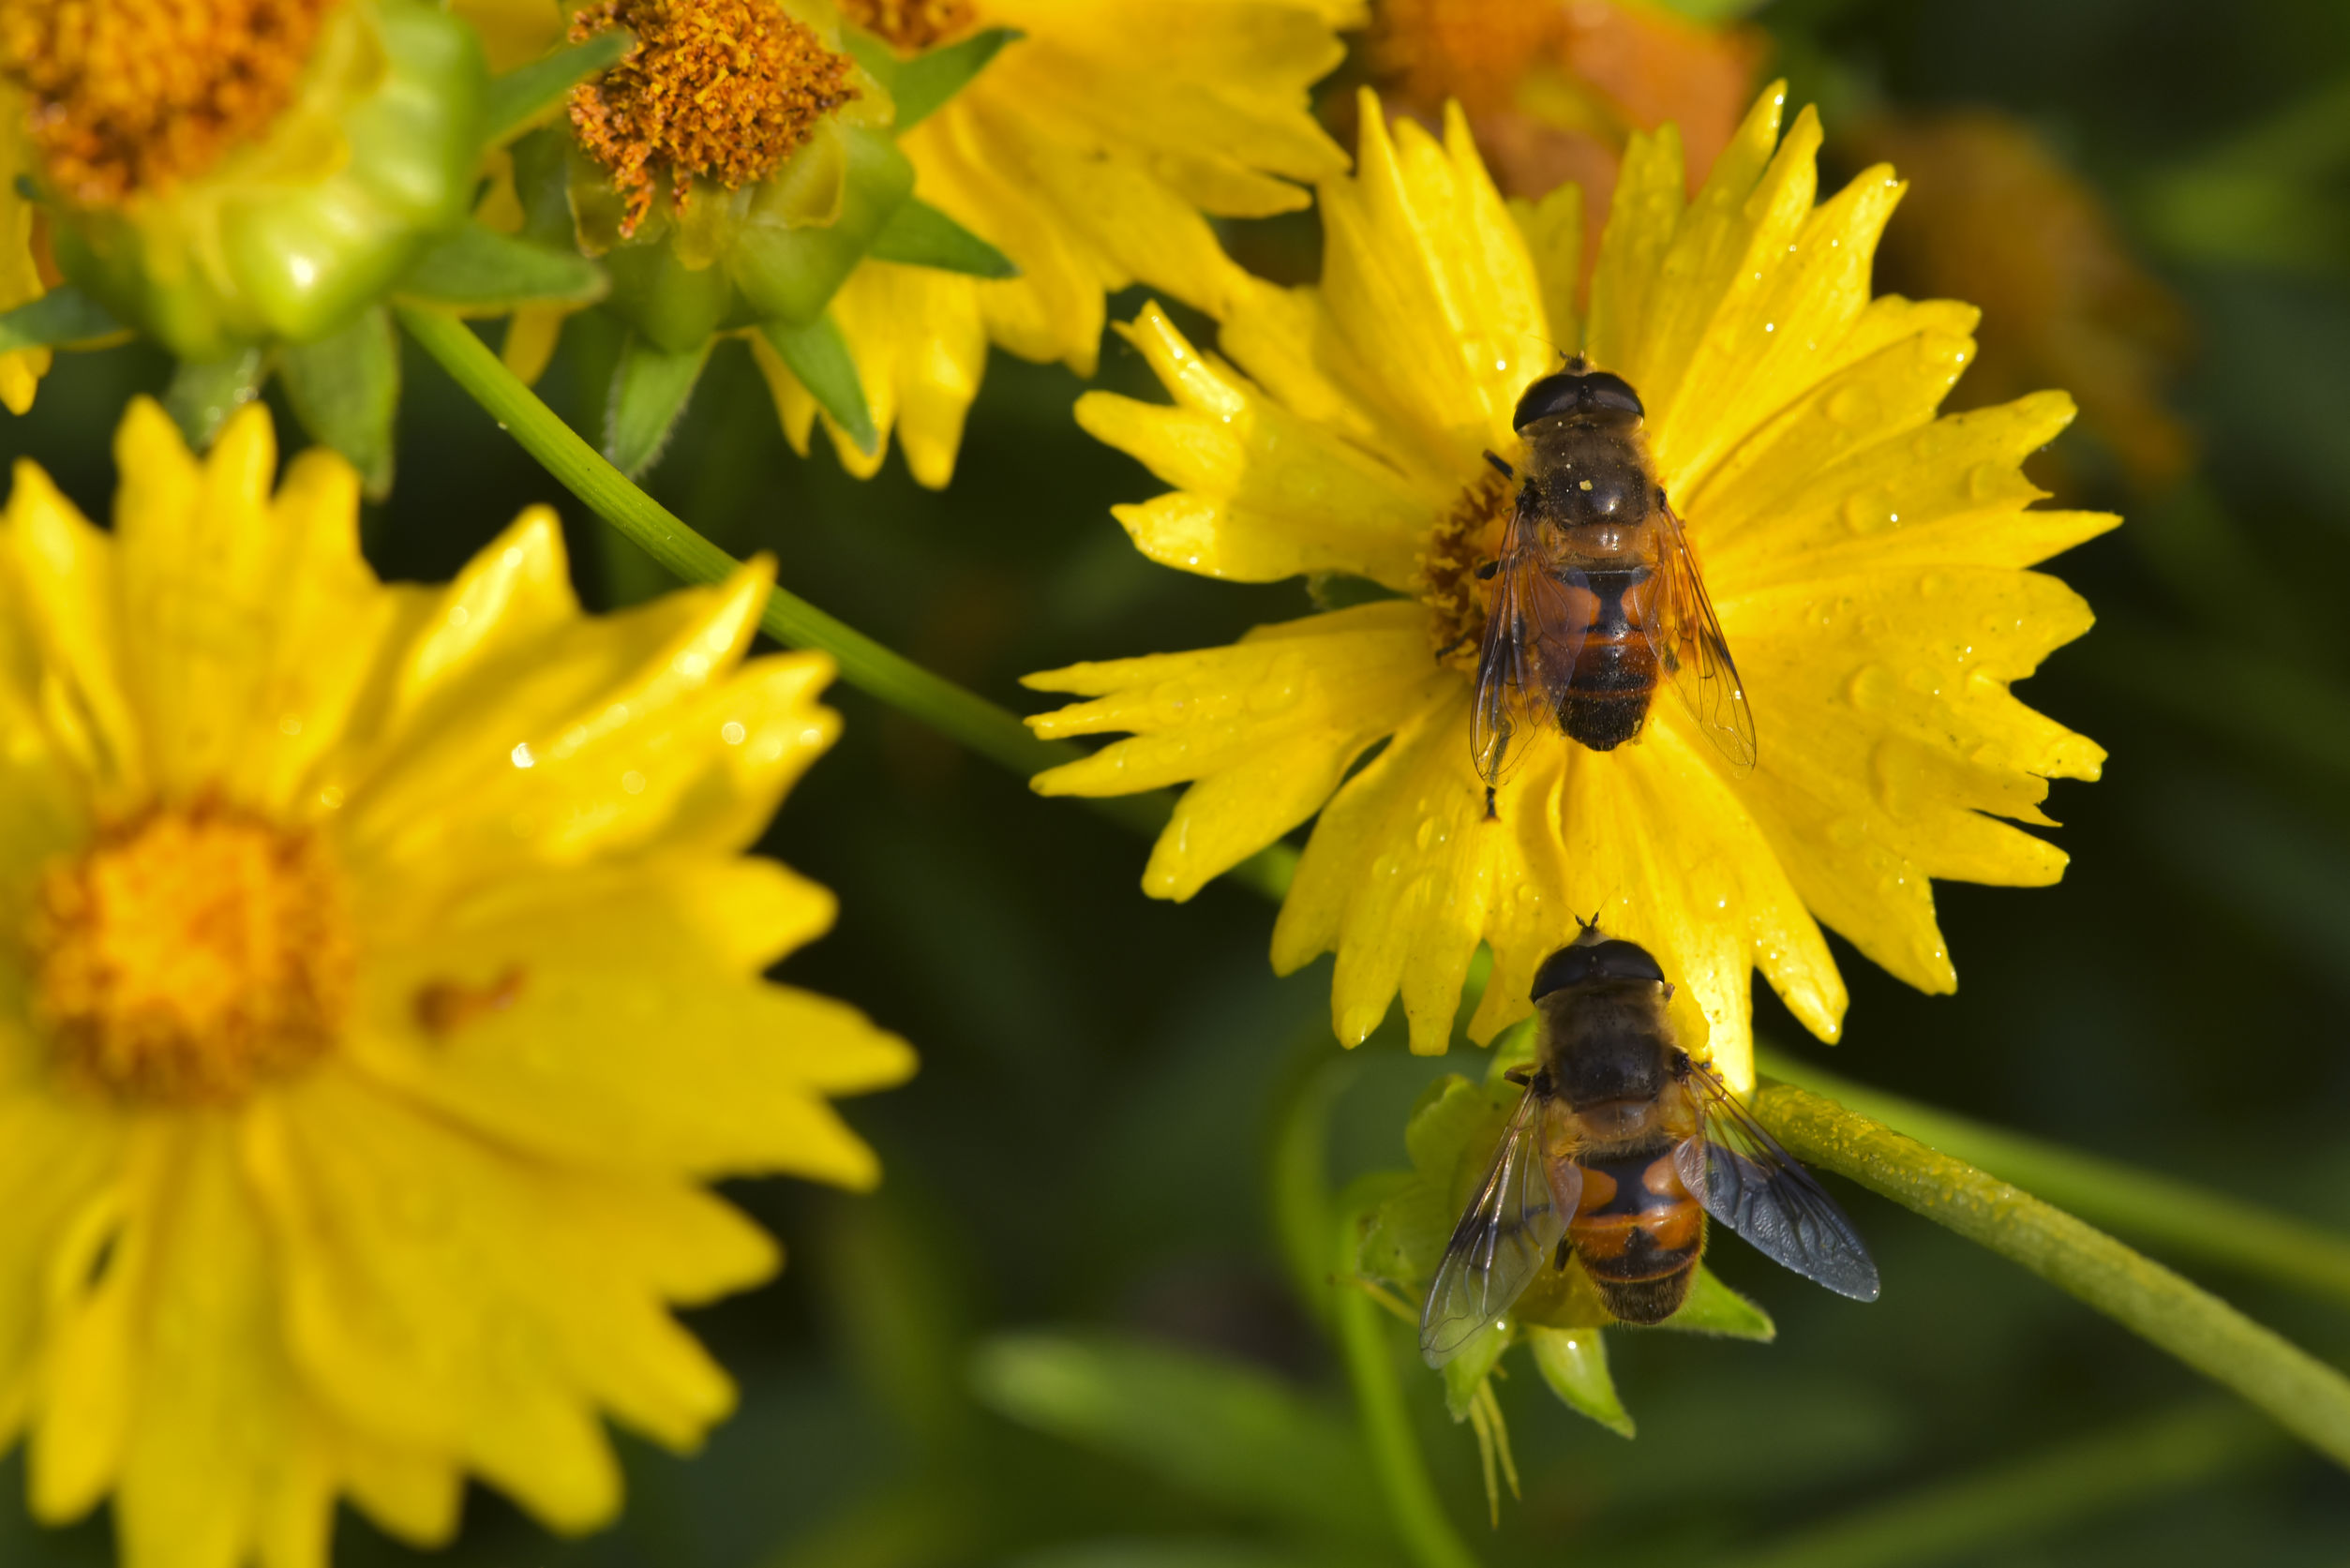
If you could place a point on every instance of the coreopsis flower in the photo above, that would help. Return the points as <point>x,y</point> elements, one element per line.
<point>1865,557</point>
<point>385,982</point>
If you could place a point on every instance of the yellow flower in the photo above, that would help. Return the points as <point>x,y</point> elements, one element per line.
<point>385,981</point>
<point>20,270</point>
<point>1866,559</point>
<point>1087,152</point>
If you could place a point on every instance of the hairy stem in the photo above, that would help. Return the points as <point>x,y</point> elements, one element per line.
<point>2173,1215</point>
<point>2024,1498</point>
<point>2305,1395</point>
<point>992,731</point>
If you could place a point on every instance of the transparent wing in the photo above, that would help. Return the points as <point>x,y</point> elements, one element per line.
<point>1687,640</point>
<point>1742,1177</point>
<point>1531,639</point>
<point>1508,1232</point>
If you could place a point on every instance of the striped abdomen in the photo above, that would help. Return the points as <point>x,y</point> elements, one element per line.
<point>1615,672</point>
<point>1638,1233</point>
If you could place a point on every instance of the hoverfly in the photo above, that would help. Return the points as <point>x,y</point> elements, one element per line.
<point>1620,1148</point>
<point>1594,594</point>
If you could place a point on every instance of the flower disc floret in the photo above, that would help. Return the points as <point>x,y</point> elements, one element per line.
<point>717,90</point>
<point>131,95</point>
<point>910,26</point>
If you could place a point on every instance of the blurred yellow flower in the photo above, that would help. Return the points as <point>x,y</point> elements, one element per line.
<point>386,982</point>
<point>19,268</point>
<point>1864,555</point>
<point>1087,152</point>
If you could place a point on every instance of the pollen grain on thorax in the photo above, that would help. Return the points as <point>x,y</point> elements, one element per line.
<point>130,96</point>
<point>719,90</point>
<point>910,26</point>
<point>191,955</point>
<point>1468,537</point>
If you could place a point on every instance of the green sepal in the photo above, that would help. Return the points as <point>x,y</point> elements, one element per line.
<point>921,85</point>
<point>651,387</point>
<point>818,355</point>
<point>920,235</point>
<point>790,271</point>
<point>1466,1372</point>
<point>542,184</point>
<point>1715,1309</point>
<point>345,392</point>
<point>675,306</point>
<point>206,392</point>
<point>1574,1362</point>
<point>62,315</point>
<point>527,91</point>
<point>478,270</point>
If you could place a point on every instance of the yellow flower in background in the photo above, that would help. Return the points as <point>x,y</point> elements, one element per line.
<point>1087,152</point>
<point>383,982</point>
<point>19,268</point>
<point>1865,557</point>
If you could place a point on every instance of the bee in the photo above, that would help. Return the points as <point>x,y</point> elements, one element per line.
<point>1594,594</point>
<point>1621,1148</point>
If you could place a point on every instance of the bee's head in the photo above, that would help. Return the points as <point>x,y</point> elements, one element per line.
<point>1580,391</point>
<point>1595,957</point>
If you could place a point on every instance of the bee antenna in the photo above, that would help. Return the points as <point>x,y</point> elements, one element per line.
<point>1592,924</point>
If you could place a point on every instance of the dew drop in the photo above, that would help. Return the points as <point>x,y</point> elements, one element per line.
<point>1986,481</point>
<point>1872,689</point>
<point>1853,406</point>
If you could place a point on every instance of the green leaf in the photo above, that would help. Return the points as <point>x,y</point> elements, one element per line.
<point>1129,1553</point>
<point>542,182</point>
<point>1574,1362</point>
<point>478,270</point>
<point>527,91</point>
<point>649,391</point>
<point>1227,1432</point>
<point>345,392</point>
<point>818,355</point>
<point>204,393</point>
<point>64,315</point>
<point>924,83</point>
<point>1713,1308</point>
<point>920,235</point>
<point>1466,1372</point>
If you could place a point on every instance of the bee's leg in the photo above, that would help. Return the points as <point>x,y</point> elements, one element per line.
<point>1520,1076</point>
<point>1566,1250</point>
<point>1485,570</point>
<point>1490,814</point>
<point>1499,466</point>
<point>1452,647</point>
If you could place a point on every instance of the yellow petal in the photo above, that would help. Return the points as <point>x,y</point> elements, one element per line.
<point>65,570</point>
<point>58,1162</point>
<point>1262,493</point>
<point>20,273</point>
<point>583,1016</point>
<point>466,1300</point>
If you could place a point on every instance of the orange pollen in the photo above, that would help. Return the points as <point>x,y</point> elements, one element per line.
<point>191,955</point>
<point>1468,536</point>
<point>721,90</point>
<point>910,26</point>
<point>131,95</point>
<point>1475,51</point>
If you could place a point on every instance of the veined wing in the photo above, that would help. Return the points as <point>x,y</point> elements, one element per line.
<point>1741,1176</point>
<point>1532,638</point>
<point>1687,640</point>
<point>1508,1232</point>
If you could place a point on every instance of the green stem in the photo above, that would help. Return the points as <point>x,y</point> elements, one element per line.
<point>2173,1215</point>
<point>2305,1395</point>
<point>993,731</point>
<point>2022,1498</point>
<point>1395,1452</point>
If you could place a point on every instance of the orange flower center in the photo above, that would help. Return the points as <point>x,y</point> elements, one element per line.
<point>1471,49</point>
<point>719,90</point>
<point>1468,538</point>
<point>132,96</point>
<point>910,26</point>
<point>193,955</point>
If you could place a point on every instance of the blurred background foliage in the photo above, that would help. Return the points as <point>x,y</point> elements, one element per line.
<point>1066,1335</point>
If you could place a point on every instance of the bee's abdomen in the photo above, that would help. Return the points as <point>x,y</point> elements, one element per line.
<point>1638,1233</point>
<point>1614,676</point>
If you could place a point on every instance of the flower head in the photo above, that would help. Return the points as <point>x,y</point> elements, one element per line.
<point>21,279</point>
<point>1865,559</point>
<point>385,978</point>
<point>1090,151</point>
<point>227,174</point>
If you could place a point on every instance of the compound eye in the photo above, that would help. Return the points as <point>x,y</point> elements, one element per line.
<point>1548,397</point>
<point>1568,966</point>
<point>1614,393</point>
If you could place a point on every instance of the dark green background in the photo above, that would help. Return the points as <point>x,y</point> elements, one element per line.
<point>1084,1150</point>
